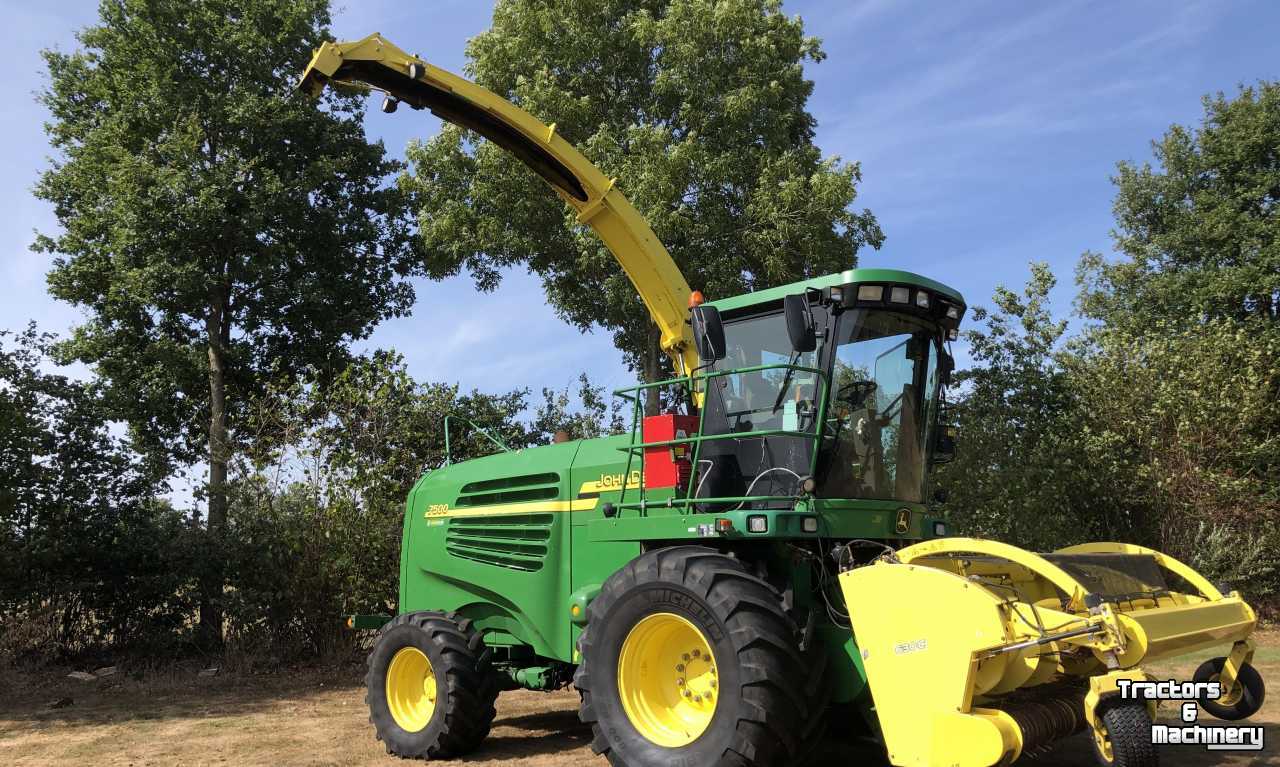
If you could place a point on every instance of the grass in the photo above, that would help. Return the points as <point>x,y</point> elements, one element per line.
<point>310,717</point>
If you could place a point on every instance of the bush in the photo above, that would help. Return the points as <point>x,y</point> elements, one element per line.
<point>89,558</point>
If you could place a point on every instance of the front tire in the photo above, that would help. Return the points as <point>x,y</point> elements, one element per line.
<point>688,659</point>
<point>1242,701</point>
<point>429,687</point>
<point>1124,739</point>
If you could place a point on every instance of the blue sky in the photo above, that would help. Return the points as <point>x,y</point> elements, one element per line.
<point>987,133</point>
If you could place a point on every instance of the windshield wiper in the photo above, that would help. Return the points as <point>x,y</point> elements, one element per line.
<point>786,381</point>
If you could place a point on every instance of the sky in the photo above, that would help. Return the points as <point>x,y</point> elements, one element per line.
<point>987,133</point>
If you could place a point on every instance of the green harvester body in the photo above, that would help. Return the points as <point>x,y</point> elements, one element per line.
<point>517,540</point>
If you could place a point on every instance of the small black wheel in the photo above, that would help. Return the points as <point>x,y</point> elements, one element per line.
<point>1241,701</point>
<point>689,659</point>
<point>430,687</point>
<point>1124,737</point>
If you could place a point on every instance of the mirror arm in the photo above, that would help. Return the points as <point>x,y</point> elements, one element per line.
<point>808,305</point>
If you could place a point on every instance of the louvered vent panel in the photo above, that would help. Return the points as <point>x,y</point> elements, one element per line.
<point>529,487</point>
<point>513,541</point>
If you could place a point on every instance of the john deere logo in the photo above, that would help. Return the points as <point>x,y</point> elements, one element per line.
<point>903,522</point>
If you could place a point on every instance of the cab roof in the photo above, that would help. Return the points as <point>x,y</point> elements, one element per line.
<point>895,276</point>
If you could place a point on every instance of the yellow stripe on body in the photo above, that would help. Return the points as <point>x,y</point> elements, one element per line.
<point>529,507</point>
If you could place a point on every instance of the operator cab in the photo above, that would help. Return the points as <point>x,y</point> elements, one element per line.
<point>833,391</point>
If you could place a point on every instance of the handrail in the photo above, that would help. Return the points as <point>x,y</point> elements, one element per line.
<point>638,447</point>
<point>377,63</point>
<point>448,450</point>
<point>689,379</point>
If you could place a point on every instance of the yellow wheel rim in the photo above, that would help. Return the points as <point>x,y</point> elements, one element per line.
<point>1103,739</point>
<point>1229,697</point>
<point>411,689</point>
<point>667,680</point>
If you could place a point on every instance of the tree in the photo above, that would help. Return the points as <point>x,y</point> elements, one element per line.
<point>216,226</point>
<point>696,106</point>
<point>1199,235</point>
<point>1016,474</point>
<point>1182,369</point>
<point>593,413</point>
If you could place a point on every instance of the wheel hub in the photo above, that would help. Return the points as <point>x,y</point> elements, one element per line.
<point>667,680</point>
<point>411,689</point>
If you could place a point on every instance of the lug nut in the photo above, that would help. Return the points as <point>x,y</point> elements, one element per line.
<point>679,667</point>
<point>686,657</point>
<point>687,694</point>
<point>680,683</point>
<point>697,653</point>
<point>713,684</point>
<point>697,699</point>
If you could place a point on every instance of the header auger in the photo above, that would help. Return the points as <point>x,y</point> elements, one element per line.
<point>714,581</point>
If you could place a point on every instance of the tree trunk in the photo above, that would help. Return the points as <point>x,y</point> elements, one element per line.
<point>212,583</point>
<point>652,371</point>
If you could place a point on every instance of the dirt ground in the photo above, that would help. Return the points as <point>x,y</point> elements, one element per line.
<point>318,718</point>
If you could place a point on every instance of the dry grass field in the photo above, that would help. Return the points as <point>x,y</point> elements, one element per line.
<point>318,718</point>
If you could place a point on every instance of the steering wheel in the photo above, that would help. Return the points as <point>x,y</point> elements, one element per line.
<point>856,392</point>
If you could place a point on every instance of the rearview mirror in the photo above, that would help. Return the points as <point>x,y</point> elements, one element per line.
<point>708,333</point>
<point>944,444</point>
<point>946,366</point>
<point>799,323</point>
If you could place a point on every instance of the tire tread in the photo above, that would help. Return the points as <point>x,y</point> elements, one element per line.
<point>784,689</point>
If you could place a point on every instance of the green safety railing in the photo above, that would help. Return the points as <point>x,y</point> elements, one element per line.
<point>633,393</point>
<point>448,447</point>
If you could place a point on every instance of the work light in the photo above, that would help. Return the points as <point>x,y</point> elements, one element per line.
<point>870,292</point>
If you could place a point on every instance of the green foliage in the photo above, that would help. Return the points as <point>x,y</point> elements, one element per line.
<point>1200,234</point>
<point>1192,415</point>
<point>697,107</point>
<point>1245,560</point>
<point>317,508</point>
<point>1158,425</point>
<point>91,560</point>
<point>593,413</point>
<point>206,208</point>
<point>1169,439</point>
<point>219,230</point>
<point>1016,476</point>
<point>88,557</point>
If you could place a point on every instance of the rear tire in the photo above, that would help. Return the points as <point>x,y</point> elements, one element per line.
<point>769,697</point>
<point>429,687</point>
<point>1241,702</point>
<point>1125,737</point>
